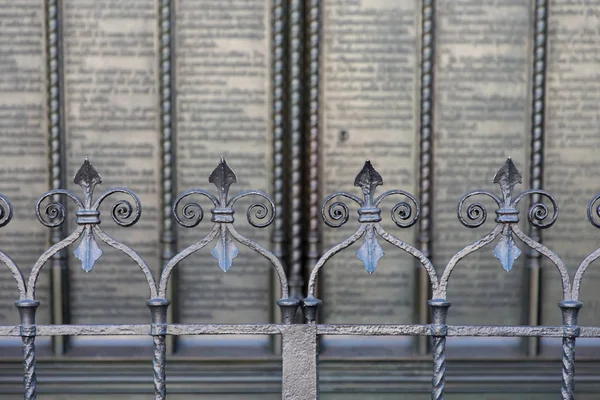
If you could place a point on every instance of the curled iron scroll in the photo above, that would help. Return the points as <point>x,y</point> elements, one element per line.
<point>475,212</point>
<point>538,212</point>
<point>191,214</point>
<point>54,213</point>
<point>122,212</point>
<point>404,214</point>
<point>337,213</point>
<point>257,211</point>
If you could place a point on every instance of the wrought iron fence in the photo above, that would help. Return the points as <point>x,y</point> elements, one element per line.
<point>299,341</point>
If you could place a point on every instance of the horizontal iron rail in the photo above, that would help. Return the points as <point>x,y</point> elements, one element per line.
<point>321,329</point>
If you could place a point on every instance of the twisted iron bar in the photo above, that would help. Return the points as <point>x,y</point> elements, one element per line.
<point>568,368</point>
<point>29,377</point>
<point>158,363</point>
<point>439,367</point>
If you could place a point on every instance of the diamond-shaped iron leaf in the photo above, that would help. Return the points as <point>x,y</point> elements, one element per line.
<point>370,252</point>
<point>225,250</point>
<point>88,251</point>
<point>507,251</point>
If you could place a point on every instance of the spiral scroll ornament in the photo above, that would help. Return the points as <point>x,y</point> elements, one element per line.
<point>337,214</point>
<point>593,211</point>
<point>6,211</point>
<point>475,214</point>
<point>404,213</point>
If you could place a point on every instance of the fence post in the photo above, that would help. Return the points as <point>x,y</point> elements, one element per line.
<point>158,308</point>
<point>570,310</point>
<point>300,380</point>
<point>27,313</point>
<point>439,330</point>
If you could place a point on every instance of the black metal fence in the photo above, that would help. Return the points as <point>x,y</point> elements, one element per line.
<point>300,378</point>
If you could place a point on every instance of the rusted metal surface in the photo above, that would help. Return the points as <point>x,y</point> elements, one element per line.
<point>300,341</point>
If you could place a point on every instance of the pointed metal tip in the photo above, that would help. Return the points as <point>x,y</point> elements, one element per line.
<point>368,177</point>
<point>223,160</point>
<point>87,174</point>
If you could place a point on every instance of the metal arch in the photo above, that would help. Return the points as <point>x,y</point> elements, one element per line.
<point>312,281</point>
<point>369,216</point>
<point>556,260</point>
<point>6,214</point>
<point>473,247</point>
<point>266,254</point>
<point>222,216</point>
<point>35,271</point>
<point>507,223</point>
<point>115,244</point>
<point>593,211</point>
<point>88,219</point>
<point>425,262</point>
<point>168,269</point>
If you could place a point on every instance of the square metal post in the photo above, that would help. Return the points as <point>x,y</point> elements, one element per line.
<point>300,378</point>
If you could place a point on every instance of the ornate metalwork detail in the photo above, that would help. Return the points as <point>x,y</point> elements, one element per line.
<point>190,215</point>
<point>427,88</point>
<point>279,95</point>
<point>123,212</point>
<point>167,124</point>
<point>335,213</point>
<point>312,151</point>
<point>507,178</point>
<point>404,214</point>
<point>296,103</point>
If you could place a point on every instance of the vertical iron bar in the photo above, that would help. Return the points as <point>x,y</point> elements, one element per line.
<point>296,41</point>
<point>300,375</point>
<point>313,57</point>
<point>537,159</point>
<point>27,310</point>
<point>570,310</point>
<point>55,99</point>
<point>279,89</point>
<point>167,127</point>
<point>426,159</point>
<point>158,308</point>
<point>439,330</point>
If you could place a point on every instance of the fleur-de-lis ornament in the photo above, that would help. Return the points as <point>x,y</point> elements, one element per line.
<point>507,177</point>
<point>506,250</point>
<point>225,250</point>
<point>370,214</point>
<point>222,214</point>
<point>88,251</point>
<point>88,215</point>
<point>370,252</point>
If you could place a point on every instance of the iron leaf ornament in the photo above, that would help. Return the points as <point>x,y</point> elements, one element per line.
<point>88,251</point>
<point>507,215</point>
<point>404,214</point>
<point>88,215</point>
<point>370,252</point>
<point>225,250</point>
